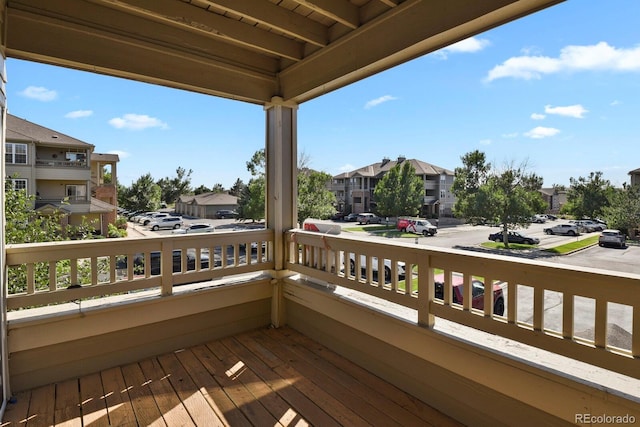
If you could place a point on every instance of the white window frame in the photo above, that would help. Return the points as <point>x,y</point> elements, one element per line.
<point>15,181</point>
<point>12,151</point>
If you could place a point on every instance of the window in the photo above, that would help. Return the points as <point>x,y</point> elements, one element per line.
<point>19,184</point>
<point>15,153</point>
<point>443,178</point>
<point>443,194</point>
<point>357,200</point>
<point>76,192</point>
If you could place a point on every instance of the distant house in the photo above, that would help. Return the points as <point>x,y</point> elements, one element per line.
<point>205,205</point>
<point>555,199</point>
<point>354,190</point>
<point>62,172</point>
<point>635,176</point>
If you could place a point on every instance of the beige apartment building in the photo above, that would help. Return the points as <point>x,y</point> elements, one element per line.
<point>62,172</point>
<point>354,189</point>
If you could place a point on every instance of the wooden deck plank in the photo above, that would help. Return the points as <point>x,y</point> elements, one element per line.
<point>391,411</point>
<point>241,397</point>
<point>67,406</point>
<point>345,393</point>
<point>17,410</point>
<point>188,392</point>
<point>417,407</point>
<point>169,404</point>
<point>144,405</point>
<point>334,407</point>
<point>92,402</point>
<point>259,378</point>
<point>274,403</point>
<point>219,401</point>
<point>305,405</point>
<point>117,399</point>
<point>42,407</point>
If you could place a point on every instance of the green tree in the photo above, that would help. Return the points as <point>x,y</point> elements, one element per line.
<point>510,196</point>
<point>587,197</point>
<point>314,199</point>
<point>623,211</point>
<point>172,188</point>
<point>251,203</point>
<point>23,224</point>
<point>237,187</point>
<point>201,190</point>
<point>143,195</point>
<point>399,192</point>
<point>468,180</point>
<point>218,188</point>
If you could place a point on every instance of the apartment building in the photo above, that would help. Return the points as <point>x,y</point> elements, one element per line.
<point>354,190</point>
<point>62,172</point>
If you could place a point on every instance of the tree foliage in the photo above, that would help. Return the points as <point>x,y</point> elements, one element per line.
<point>587,197</point>
<point>399,192</point>
<point>314,199</point>
<point>510,196</point>
<point>251,203</point>
<point>237,187</point>
<point>172,188</point>
<point>143,195</point>
<point>623,211</point>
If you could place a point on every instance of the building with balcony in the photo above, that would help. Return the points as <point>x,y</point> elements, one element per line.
<point>354,189</point>
<point>308,328</point>
<point>62,173</point>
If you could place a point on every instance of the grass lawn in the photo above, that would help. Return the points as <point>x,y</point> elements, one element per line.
<point>572,246</point>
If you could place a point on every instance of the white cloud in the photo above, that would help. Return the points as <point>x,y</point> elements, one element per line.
<point>121,154</point>
<point>78,114</point>
<point>510,135</point>
<point>576,111</point>
<point>378,101</point>
<point>346,168</point>
<point>470,45</point>
<point>541,132</point>
<point>40,93</point>
<point>600,56</point>
<point>614,103</point>
<point>137,122</point>
<point>485,142</point>
<point>537,116</point>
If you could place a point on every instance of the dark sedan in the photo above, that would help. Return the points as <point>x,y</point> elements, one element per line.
<point>514,237</point>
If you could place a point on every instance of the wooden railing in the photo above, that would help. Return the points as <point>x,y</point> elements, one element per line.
<point>57,272</point>
<point>523,286</point>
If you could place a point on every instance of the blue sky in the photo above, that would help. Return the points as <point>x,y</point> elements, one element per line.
<point>558,90</point>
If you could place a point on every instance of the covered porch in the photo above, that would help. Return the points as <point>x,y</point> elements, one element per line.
<point>101,316</point>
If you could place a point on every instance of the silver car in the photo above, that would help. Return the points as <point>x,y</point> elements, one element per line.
<point>610,237</point>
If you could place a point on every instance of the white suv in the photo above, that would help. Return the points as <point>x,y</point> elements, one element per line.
<point>166,222</point>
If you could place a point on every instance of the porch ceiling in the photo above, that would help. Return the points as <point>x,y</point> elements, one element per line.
<point>251,50</point>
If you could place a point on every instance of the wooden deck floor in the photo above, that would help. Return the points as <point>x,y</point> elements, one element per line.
<point>274,377</point>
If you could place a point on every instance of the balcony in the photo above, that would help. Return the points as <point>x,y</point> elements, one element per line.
<point>470,364</point>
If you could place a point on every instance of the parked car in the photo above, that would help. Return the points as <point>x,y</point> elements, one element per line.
<point>551,217</point>
<point>369,218</point>
<point>539,218</point>
<point>514,237</point>
<point>611,237</point>
<point>352,217</point>
<point>417,226</point>
<point>338,216</point>
<point>593,225</point>
<point>477,292</point>
<point>145,220</point>
<point>167,222</point>
<point>138,262</point>
<point>225,213</point>
<point>565,229</point>
<point>400,269</point>
<point>196,227</point>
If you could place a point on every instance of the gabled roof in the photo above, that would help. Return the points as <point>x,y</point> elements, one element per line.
<point>379,169</point>
<point>635,172</point>
<point>96,206</point>
<point>209,199</point>
<point>25,131</point>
